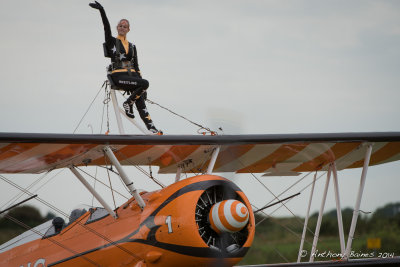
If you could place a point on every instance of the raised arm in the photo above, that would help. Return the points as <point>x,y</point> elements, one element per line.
<point>106,23</point>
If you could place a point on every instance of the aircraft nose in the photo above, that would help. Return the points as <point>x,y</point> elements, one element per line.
<point>228,216</point>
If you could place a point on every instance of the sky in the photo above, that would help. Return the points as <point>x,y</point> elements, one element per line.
<point>250,67</point>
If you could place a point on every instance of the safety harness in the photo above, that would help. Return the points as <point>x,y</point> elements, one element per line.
<point>116,62</point>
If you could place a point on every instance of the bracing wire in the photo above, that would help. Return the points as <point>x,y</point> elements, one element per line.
<point>67,216</point>
<point>87,110</point>
<point>75,253</point>
<point>93,177</point>
<point>275,197</point>
<point>188,120</point>
<point>20,194</point>
<point>269,215</point>
<point>141,170</point>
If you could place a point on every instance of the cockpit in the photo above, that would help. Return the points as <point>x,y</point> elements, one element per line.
<point>58,223</point>
<point>55,226</point>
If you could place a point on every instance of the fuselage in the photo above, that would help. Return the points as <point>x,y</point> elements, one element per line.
<point>170,231</point>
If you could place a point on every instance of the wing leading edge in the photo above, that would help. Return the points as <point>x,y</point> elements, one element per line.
<point>285,153</point>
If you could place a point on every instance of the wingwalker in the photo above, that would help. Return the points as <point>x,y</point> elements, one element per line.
<point>203,220</point>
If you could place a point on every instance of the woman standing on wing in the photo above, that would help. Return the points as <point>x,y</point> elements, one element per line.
<point>125,68</point>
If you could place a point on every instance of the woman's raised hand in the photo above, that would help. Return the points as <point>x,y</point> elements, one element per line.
<point>96,5</point>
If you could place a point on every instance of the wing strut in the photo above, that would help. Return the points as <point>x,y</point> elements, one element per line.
<point>132,190</point>
<point>94,193</point>
<point>338,208</point>
<point>118,111</point>
<point>178,174</point>
<point>321,211</point>
<point>213,159</point>
<point>358,202</point>
<point>303,236</point>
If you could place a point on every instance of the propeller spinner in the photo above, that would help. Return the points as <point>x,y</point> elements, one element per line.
<point>228,216</point>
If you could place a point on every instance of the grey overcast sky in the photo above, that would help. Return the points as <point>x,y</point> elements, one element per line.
<point>253,67</point>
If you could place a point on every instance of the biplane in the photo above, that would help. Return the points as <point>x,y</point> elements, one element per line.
<point>203,220</point>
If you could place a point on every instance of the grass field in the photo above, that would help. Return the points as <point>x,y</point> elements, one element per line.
<point>278,241</point>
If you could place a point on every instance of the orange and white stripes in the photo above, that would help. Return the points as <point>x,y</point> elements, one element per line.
<point>256,158</point>
<point>228,216</point>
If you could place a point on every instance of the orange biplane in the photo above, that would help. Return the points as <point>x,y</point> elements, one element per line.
<point>205,220</point>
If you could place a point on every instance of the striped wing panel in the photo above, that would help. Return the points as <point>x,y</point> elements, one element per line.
<point>30,155</point>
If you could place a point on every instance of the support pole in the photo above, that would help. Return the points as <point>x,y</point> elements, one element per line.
<point>358,201</point>
<point>213,159</point>
<point>303,236</point>
<point>116,111</point>
<point>94,193</point>
<point>321,211</point>
<point>338,208</point>
<point>124,176</point>
<point>134,122</point>
<point>178,174</point>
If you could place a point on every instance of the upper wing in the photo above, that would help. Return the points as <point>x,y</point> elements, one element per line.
<point>271,154</point>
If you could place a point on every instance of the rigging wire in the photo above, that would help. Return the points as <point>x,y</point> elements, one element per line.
<point>190,121</point>
<point>91,176</point>
<point>87,110</point>
<point>301,191</point>
<point>255,177</point>
<point>20,194</point>
<point>276,221</point>
<point>75,253</point>
<point>67,216</point>
<point>141,170</point>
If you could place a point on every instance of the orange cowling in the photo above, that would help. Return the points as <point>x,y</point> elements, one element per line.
<point>165,233</point>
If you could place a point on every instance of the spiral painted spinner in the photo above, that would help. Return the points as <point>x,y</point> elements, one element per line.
<point>228,216</point>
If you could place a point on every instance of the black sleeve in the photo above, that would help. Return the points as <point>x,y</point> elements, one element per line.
<point>135,60</point>
<point>107,28</point>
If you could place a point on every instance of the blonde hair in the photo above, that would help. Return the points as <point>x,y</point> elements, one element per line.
<point>127,21</point>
